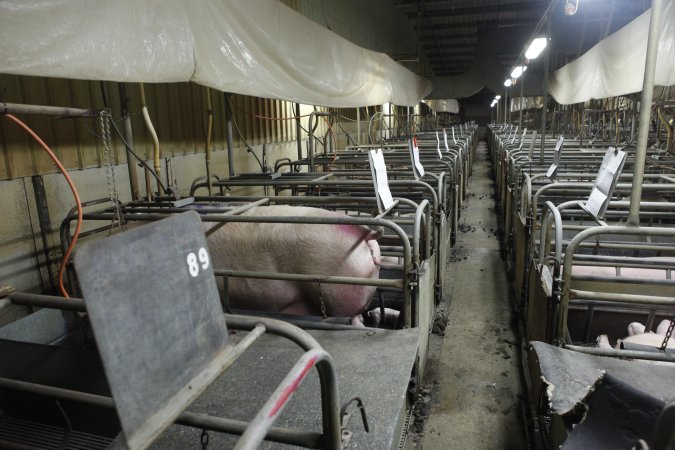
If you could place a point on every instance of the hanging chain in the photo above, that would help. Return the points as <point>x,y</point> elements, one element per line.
<point>204,439</point>
<point>321,303</point>
<point>118,218</point>
<point>669,333</point>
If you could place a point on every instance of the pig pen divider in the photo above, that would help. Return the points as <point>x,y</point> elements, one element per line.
<point>602,296</point>
<point>412,250</point>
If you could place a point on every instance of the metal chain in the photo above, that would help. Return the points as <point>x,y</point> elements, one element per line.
<point>669,333</point>
<point>321,303</point>
<point>117,219</point>
<point>204,439</point>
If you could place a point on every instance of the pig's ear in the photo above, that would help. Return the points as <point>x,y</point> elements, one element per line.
<point>375,233</point>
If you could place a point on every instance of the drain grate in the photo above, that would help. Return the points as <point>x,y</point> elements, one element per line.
<point>39,435</point>
<point>406,425</point>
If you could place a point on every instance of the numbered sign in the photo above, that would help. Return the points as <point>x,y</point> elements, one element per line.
<point>534,138</point>
<point>605,182</point>
<point>553,169</point>
<point>418,169</point>
<point>378,170</point>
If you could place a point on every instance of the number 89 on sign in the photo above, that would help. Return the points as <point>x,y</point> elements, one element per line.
<point>195,261</point>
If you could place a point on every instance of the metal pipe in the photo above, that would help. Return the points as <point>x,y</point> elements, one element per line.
<point>645,112</point>
<point>546,70</point>
<point>153,134</point>
<point>47,301</point>
<point>358,126</point>
<point>506,104</point>
<point>520,102</point>
<point>310,149</point>
<point>621,297</point>
<point>129,141</point>
<point>545,231</point>
<point>16,108</point>
<point>310,278</point>
<point>262,422</point>
<point>230,145</point>
<point>298,130</point>
<point>209,128</point>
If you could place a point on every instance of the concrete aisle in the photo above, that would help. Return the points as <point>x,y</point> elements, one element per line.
<point>475,401</point>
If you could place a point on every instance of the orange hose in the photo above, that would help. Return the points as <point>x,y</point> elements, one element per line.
<point>53,157</point>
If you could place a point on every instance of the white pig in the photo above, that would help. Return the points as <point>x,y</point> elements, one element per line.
<point>340,250</point>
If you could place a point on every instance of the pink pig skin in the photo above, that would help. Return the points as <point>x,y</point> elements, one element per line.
<point>339,250</point>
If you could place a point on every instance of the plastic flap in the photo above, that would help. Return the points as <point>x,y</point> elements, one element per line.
<point>255,47</point>
<point>616,65</point>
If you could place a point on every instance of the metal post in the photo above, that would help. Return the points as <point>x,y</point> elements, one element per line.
<point>298,130</point>
<point>645,112</point>
<point>543,110</point>
<point>506,104</point>
<point>497,115</point>
<point>520,101</point>
<point>358,126</point>
<point>230,145</point>
<point>310,149</point>
<point>129,138</point>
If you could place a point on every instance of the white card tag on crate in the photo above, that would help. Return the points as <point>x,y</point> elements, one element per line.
<point>605,182</point>
<point>556,158</point>
<point>445,139</point>
<point>513,138</point>
<point>534,138</point>
<point>415,154</point>
<point>380,179</point>
<point>438,146</point>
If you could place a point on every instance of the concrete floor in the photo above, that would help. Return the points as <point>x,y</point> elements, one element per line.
<point>475,390</point>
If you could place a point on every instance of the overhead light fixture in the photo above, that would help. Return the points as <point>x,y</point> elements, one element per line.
<point>498,97</point>
<point>518,71</point>
<point>508,82</point>
<point>536,48</point>
<point>571,9</point>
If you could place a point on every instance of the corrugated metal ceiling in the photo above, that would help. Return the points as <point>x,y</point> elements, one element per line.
<point>450,31</point>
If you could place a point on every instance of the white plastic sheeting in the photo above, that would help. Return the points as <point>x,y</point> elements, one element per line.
<point>616,65</point>
<point>447,106</point>
<point>254,47</point>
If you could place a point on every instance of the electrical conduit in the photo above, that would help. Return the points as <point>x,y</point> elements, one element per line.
<point>153,134</point>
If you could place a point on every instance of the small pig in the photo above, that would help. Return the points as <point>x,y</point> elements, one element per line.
<point>637,335</point>
<point>335,249</point>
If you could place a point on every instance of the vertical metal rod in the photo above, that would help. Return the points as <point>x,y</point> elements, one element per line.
<point>129,138</point>
<point>209,128</point>
<point>543,110</point>
<point>390,120</point>
<point>358,126</point>
<point>506,104</point>
<point>298,130</point>
<point>45,224</point>
<point>520,101</point>
<point>645,112</point>
<point>230,145</point>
